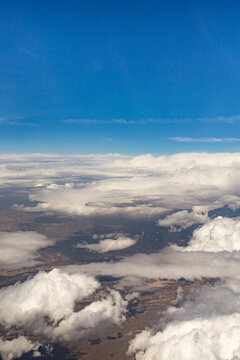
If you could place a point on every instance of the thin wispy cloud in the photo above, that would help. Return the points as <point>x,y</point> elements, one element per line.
<point>219,119</point>
<point>15,121</point>
<point>124,121</point>
<point>204,140</point>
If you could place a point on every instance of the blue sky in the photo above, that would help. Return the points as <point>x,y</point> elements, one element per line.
<point>119,76</point>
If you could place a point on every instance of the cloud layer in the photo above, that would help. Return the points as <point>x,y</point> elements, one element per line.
<point>138,186</point>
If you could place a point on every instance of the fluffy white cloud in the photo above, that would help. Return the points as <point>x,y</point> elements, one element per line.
<point>19,249</point>
<point>51,295</point>
<point>10,349</point>
<point>44,305</point>
<point>206,326</point>
<point>183,219</point>
<point>220,234</point>
<point>112,242</point>
<point>56,186</point>
<point>94,317</point>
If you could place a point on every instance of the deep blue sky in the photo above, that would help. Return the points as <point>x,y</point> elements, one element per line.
<point>86,76</point>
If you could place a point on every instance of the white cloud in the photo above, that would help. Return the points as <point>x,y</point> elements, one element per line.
<point>183,219</point>
<point>56,186</point>
<point>206,326</point>
<point>44,305</point>
<point>94,317</point>
<point>204,140</point>
<point>10,349</point>
<point>217,119</point>
<point>19,249</point>
<point>168,264</point>
<point>50,294</point>
<point>142,185</point>
<point>112,242</point>
<point>219,234</point>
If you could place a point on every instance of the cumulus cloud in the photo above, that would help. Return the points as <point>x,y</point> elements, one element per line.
<point>220,234</point>
<point>19,249</point>
<point>44,305</point>
<point>94,317</point>
<point>50,294</point>
<point>206,326</point>
<point>56,186</point>
<point>183,219</point>
<point>112,242</point>
<point>10,349</point>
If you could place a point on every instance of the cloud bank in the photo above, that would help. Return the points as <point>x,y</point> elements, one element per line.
<point>143,185</point>
<point>19,249</point>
